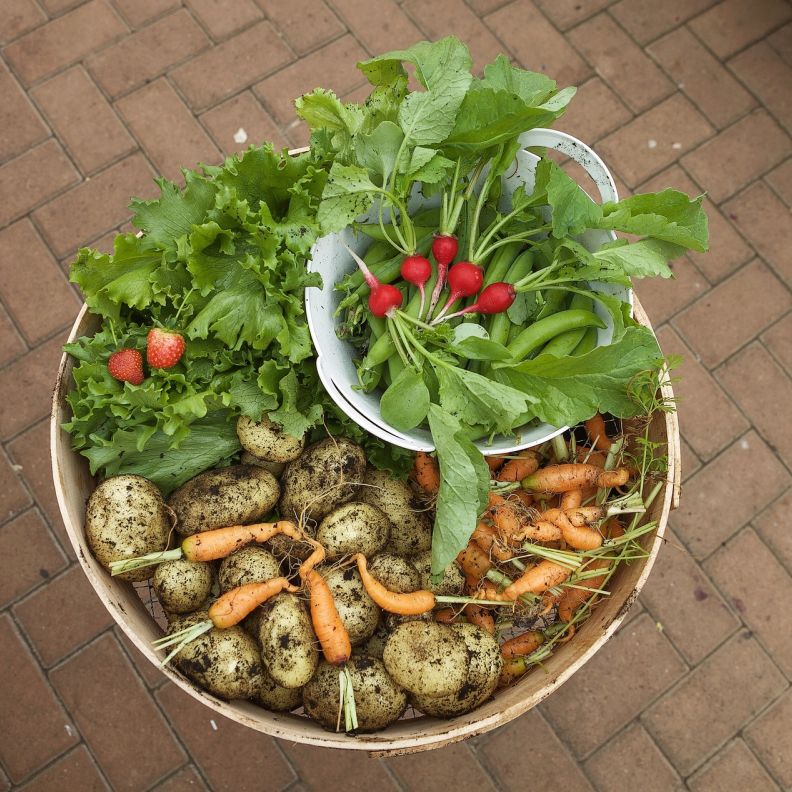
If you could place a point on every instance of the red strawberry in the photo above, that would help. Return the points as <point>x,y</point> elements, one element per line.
<point>126,365</point>
<point>163,348</point>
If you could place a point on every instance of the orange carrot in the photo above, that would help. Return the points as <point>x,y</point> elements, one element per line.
<point>571,476</point>
<point>577,537</point>
<point>413,603</point>
<point>506,519</point>
<point>537,580</point>
<point>494,463</point>
<point>426,472</point>
<point>513,668</point>
<point>521,645</point>
<point>572,598</point>
<point>539,531</point>
<point>571,499</point>
<point>595,427</point>
<point>522,497</point>
<point>596,458</point>
<point>333,636</point>
<point>586,515</point>
<point>613,528</point>
<point>526,463</point>
<point>221,542</point>
<point>486,537</point>
<point>313,560</point>
<point>234,605</point>
<point>445,615</point>
<point>480,616</point>
<point>475,563</point>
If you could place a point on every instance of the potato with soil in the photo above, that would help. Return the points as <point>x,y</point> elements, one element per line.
<point>275,697</point>
<point>375,645</point>
<point>276,468</point>
<point>353,528</point>
<point>411,531</point>
<point>266,440</point>
<point>289,648</point>
<point>394,572</point>
<point>452,582</point>
<point>126,517</point>
<point>228,496</point>
<point>226,663</point>
<point>426,658</point>
<point>484,667</point>
<point>325,476</point>
<point>379,701</point>
<point>182,586</point>
<point>251,564</point>
<point>359,613</point>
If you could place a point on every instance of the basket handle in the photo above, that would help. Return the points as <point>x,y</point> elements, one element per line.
<point>578,151</point>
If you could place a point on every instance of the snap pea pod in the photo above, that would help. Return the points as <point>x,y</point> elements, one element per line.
<point>374,231</point>
<point>379,352</point>
<point>395,366</point>
<point>541,331</point>
<point>501,262</point>
<point>498,325</point>
<point>588,342</point>
<point>377,251</point>
<point>565,343</point>
<point>555,300</point>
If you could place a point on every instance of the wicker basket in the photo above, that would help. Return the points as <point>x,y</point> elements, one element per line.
<point>136,615</point>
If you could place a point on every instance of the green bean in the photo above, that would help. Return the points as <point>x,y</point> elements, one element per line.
<point>588,342</point>
<point>541,331</point>
<point>501,261</point>
<point>555,301</point>
<point>374,231</point>
<point>564,344</point>
<point>499,324</point>
<point>377,251</point>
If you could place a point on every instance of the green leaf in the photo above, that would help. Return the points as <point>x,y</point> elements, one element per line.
<point>127,277</point>
<point>532,87</point>
<point>477,400</point>
<point>378,151</point>
<point>173,214</point>
<point>573,211</point>
<point>571,389</point>
<point>669,215</point>
<point>405,403</point>
<point>647,258</point>
<point>473,348</point>
<point>458,503</point>
<point>349,193</point>
<point>212,441</point>
<point>489,116</point>
<point>433,171</point>
<point>299,410</point>
<point>323,109</point>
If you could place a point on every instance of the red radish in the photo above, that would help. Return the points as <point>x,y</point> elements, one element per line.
<point>383,298</point>
<point>444,248</point>
<point>496,298</point>
<point>464,280</point>
<point>417,270</point>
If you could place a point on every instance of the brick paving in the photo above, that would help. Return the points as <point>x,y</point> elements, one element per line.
<point>694,691</point>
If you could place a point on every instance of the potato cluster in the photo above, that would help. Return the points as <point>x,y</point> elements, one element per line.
<point>273,657</point>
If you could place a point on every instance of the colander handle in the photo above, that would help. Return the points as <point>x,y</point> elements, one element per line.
<point>578,151</point>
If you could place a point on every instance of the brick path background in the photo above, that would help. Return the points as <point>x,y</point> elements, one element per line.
<point>694,691</point>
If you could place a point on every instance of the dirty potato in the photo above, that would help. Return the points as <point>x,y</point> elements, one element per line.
<point>394,572</point>
<point>379,701</point>
<point>126,517</point>
<point>276,468</point>
<point>426,658</point>
<point>250,564</point>
<point>452,582</point>
<point>411,531</point>
<point>325,476</point>
<point>289,647</point>
<point>275,697</point>
<point>359,613</point>
<point>229,496</point>
<point>266,440</point>
<point>182,586</point>
<point>353,528</point>
<point>484,667</point>
<point>226,663</point>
